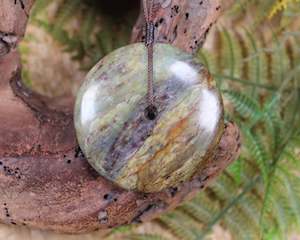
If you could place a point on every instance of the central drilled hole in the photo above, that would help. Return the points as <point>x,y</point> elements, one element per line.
<point>151,112</point>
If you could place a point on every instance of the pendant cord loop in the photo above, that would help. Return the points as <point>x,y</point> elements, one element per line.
<point>149,42</point>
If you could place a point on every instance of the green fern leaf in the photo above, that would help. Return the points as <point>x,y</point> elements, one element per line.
<point>258,152</point>
<point>243,104</point>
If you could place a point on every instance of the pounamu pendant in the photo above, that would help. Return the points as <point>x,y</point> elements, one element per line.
<point>127,148</point>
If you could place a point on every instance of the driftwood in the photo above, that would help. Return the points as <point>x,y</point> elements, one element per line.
<point>45,182</point>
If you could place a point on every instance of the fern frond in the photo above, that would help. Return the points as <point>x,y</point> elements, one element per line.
<point>279,6</point>
<point>240,225</point>
<point>257,151</point>
<point>293,192</point>
<point>254,61</point>
<point>243,104</point>
<point>200,212</point>
<point>235,170</point>
<point>178,226</point>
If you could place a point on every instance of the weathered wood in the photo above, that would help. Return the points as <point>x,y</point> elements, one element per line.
<point>45,182</point>
<point>184,24</point>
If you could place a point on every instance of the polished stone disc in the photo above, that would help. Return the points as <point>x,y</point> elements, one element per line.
<point>122,144</point>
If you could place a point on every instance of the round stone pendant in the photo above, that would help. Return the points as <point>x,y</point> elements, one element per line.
<point>129,149</point>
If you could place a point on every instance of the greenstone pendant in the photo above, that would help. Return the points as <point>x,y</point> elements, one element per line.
<point>127,148</point>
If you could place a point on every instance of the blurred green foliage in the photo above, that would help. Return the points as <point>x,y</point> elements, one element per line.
<point>99,32</point>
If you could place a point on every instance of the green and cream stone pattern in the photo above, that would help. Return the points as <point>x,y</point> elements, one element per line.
<point>127,148</point>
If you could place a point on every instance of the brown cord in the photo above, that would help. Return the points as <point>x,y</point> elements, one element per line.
<point>151,111</point>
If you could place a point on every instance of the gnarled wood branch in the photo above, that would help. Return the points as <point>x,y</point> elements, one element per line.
<point>45,182</point>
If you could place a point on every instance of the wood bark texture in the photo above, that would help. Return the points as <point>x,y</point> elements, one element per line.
<point>45,181</point>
